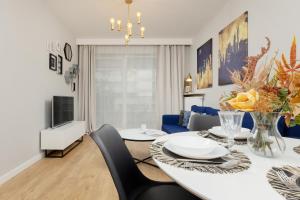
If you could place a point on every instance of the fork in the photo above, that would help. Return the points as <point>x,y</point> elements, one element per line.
<point>289,181</point>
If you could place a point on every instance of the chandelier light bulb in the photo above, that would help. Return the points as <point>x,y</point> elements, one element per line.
<point>126,39</point>
<point>119,23</point>
<point>126,25</point>
<point>129,28</point>
<point>143,32</point>
<point>112,24</point>
<point>138,15</point>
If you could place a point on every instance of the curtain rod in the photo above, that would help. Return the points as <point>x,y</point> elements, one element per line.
<point>158,41</point>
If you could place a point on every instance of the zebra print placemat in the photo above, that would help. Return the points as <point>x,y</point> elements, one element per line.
<point>297,149</point>
<point>277,184</point>
<point>158,153</point>
<point>209,135</point>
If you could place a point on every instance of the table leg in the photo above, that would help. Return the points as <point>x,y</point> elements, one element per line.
<point>137,161</point>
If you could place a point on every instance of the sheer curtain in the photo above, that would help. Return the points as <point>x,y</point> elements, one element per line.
<point>170,69</point>
<point>126,86</point>
<point>86,87</point>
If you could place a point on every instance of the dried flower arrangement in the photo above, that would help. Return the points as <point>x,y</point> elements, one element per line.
<point>273,87</point>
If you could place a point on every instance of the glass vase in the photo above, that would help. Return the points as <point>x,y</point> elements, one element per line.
<point>266,140</point>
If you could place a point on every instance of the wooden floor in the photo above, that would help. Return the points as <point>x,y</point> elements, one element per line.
<point>82,174</point>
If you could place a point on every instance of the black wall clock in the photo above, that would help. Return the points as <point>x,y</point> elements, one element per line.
<point>68,52</point>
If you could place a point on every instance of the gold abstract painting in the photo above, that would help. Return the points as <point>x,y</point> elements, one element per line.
<point>233,48</point>
<point>204,66</point>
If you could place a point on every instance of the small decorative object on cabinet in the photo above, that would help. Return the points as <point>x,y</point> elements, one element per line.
<point>267,93</point>
<point>188,84</point>
<point>52,62</point>
<point>68,52</point>
<point>59,64</point>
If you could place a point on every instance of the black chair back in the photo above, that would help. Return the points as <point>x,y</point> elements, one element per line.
<point>126,175</point>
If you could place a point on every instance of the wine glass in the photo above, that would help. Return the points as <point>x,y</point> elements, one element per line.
<point>231,123</point>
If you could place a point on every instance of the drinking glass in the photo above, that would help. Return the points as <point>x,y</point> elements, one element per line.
<point>231,123</point>
<point>144,127</point>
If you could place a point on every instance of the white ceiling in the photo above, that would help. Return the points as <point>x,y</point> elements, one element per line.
<point>162,18</point>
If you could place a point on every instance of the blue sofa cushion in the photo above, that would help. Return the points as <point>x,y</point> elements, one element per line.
<point>173,128</point>
<point>211,111</point>
<point>204,110</point>
<point>198,109</point>
<point>248,121</point>
<point>282,128</point>
<point>186,118</point>
<point>170,119</point>
<point>293,132</point>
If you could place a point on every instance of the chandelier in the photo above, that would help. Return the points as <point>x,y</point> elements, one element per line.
<point>117,25</point>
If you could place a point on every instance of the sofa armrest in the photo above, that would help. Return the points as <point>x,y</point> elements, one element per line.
<point>170,119</point>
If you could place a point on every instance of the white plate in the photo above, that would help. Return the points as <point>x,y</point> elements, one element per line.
<point>218,131</point>
<point>195,147</point>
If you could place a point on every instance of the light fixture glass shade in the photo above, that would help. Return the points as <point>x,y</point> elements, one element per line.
<point>189,78</point>
<point>129,28</point>
<point>138,15</point>
<point>112,23</point>
<point>126,37</point>
<point>119,23</point>
<point>143,32</point>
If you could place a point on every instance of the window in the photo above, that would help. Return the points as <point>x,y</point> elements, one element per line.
<point>125,86</point>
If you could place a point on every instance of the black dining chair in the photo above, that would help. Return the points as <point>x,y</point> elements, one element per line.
<point>131,184</point>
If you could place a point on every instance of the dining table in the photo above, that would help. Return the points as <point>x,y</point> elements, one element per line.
<point>250,184</point>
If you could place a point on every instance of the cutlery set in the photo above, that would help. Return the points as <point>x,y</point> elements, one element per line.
<point>289,179</point>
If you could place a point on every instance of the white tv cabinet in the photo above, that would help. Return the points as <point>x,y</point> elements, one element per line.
<point>57,140</point>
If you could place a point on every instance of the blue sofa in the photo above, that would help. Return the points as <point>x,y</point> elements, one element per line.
<point>170,122</point>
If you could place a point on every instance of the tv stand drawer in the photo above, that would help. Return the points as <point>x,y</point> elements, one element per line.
<point>61,137</point>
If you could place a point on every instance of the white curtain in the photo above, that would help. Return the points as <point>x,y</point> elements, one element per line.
<point>170,69</point>
<point>125,86</point>
<point>86,87</point>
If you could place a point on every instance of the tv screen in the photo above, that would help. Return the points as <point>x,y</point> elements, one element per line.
<point>62,110</point>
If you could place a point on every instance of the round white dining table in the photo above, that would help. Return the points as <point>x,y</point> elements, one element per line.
<point>251,184</point>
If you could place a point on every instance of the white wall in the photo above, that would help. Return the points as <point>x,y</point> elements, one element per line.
<point>277,19</point>
<point>26,83</point>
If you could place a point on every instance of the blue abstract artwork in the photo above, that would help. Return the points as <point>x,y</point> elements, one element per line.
<point>204,66</point>
<point>233,48</point>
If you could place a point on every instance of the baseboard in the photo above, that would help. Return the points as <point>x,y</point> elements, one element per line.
<point>20,168</point>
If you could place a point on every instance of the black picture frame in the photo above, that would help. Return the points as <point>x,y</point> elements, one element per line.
<point>59,64</point>
<point>52,62</point>
<point>68,52</point>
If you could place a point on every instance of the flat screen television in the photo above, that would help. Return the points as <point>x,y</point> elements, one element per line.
<point>62,110</point>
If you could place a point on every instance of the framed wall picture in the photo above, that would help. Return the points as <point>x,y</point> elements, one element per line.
<point>204,66</point>
<point>52,62</point>
<point>68,52</point>
<point>233,48</point>
<point>59,64</point>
